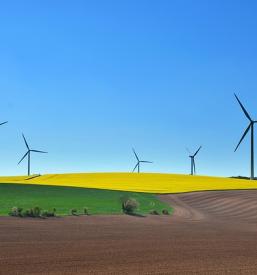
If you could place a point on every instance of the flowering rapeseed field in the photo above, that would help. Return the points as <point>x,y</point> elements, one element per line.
<point>143,182</point>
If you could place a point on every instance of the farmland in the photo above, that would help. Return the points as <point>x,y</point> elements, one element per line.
<point>208,233</point>
<point>63,199</point>
<point>143,182</point>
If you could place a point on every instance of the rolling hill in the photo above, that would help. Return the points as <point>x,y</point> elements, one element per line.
<point>143,182</point>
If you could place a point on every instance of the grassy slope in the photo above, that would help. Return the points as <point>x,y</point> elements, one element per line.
<point>143,182</point>
<point>66,198</point>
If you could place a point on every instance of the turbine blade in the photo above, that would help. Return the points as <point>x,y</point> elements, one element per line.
<point>188,151</point>
<point>245,133</point>
<point>197,151</point>
<point>194,166</point>
<point>135,154</point>
<point>145,161</point>
<point>3,123</point>
<point>36,151</point>
<point>23,158</point>
<point>25,141</point>
<point>135,167</point>
<point>243,108</point>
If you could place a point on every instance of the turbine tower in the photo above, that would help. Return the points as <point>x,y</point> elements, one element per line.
<point>139,162</point>
<point>28,154</point>
<point>250,126</point>
<point>192,157</point>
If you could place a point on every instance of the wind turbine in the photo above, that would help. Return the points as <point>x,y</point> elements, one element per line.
<point>28,154</point>
<point>139,162</point>
<point>192,157</point>
<point>250,126</point>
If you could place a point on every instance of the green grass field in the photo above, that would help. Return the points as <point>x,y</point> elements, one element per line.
<point>66,198</point>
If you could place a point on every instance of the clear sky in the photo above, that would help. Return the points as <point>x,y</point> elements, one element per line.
<point>89,80</point>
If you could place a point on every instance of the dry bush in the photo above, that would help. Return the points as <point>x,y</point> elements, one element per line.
<point>129,205</point>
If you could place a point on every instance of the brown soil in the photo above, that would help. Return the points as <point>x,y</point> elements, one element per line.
<point>209,233</point>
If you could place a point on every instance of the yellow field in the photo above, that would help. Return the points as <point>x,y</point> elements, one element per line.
<point>143,182</point>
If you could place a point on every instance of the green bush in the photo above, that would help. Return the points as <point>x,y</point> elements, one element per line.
<point>129,205</point>
<point>47,214</point>
<point>44,214</point>
<point>86,211</point>
<point>74,212</point>
<point>28,213</point>
<point>36,212</point>
<point>165,212</point>
<point>16,212</point>
<point>20,211</point>
<point>154,212</point>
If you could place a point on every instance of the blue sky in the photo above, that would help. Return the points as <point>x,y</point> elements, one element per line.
<point>89,80</point>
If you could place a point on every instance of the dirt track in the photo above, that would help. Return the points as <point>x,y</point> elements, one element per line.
<point>209,233</point>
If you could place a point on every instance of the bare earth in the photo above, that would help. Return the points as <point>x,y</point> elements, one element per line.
<point>209,233</point>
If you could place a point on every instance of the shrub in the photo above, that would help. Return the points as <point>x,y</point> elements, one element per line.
<point>44,213</point>
<point>47,214</point>
<point>154,212</point>
<point>129,205</point>
<point>86,212</point>
<point>28,213</point>
<point>74,212</point>
<point>33,212</point>
<point>36,212</point>
<point>16,212</point>
<point>20,211</point>
<point>165,212</point>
